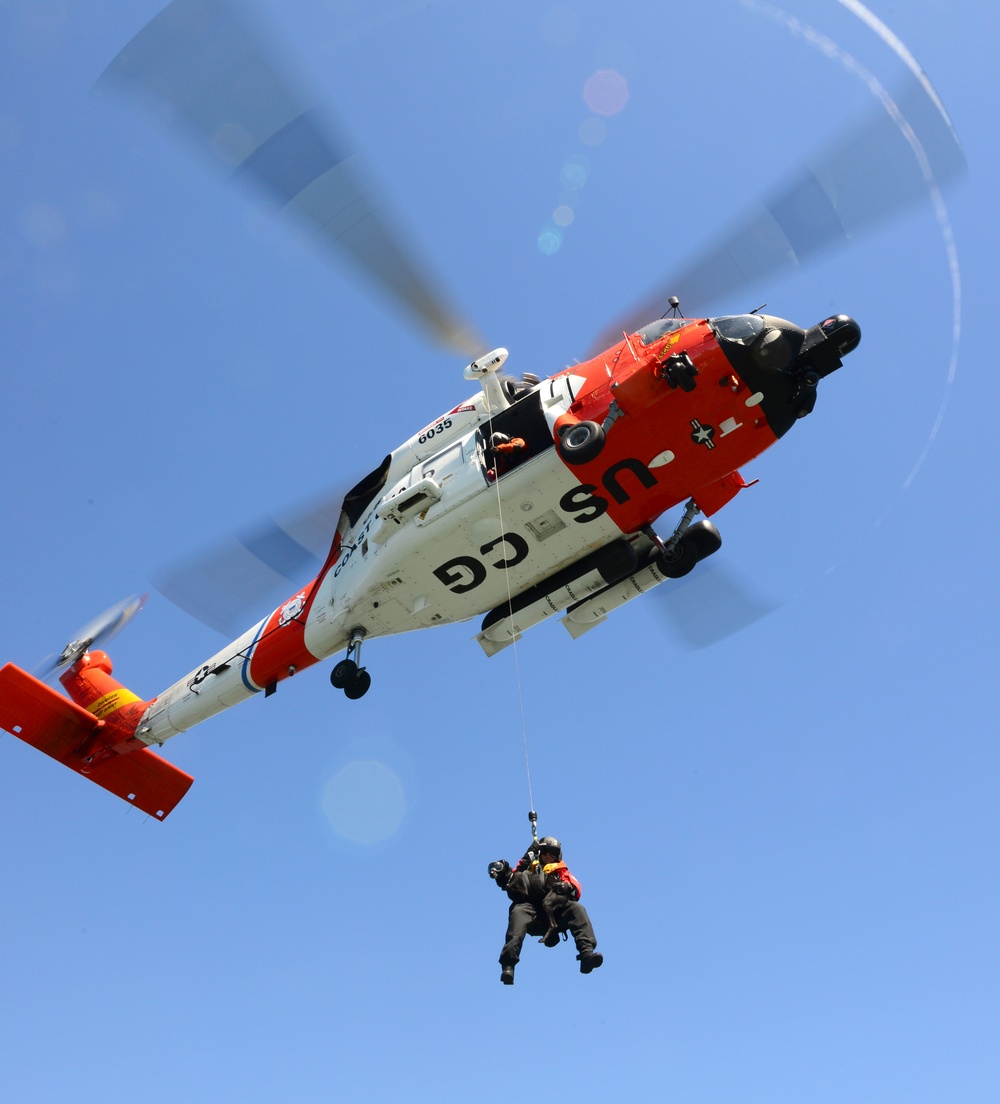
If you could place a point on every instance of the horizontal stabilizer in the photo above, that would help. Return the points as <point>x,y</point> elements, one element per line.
<point>42,717</point>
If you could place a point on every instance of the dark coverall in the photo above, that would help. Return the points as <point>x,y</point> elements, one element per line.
<point>527,915</point>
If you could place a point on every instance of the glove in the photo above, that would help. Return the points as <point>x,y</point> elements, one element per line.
<point>498,867</point>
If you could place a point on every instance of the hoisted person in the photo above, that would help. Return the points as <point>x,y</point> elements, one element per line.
<point>545,899</point>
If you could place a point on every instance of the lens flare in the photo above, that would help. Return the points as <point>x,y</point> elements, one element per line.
<point>549,241</point>
<point>364,801</point>
<point>606,92</point>
<point>593,131</point>
<point>574,174</point>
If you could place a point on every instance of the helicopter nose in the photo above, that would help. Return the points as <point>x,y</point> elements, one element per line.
<point>843,331</point>
<point>827,342</point>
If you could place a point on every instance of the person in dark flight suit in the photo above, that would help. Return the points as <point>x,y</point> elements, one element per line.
<point>545,899</point>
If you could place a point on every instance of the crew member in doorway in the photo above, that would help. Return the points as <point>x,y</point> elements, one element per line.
<point>545,899</point>
<point>502,453</point>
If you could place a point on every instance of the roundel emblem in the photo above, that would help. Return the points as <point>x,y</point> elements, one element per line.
<point>292,608</point>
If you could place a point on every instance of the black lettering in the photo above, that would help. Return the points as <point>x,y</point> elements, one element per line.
<point>583,498</point>
<point>519,544</point>
<point>615,489</point>
<point>461,574</point>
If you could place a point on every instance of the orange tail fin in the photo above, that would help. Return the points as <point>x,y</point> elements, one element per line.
<point>93,734</point>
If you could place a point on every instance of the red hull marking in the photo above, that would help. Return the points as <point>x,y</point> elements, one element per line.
<point>281,649</point>
<point>709,431</point>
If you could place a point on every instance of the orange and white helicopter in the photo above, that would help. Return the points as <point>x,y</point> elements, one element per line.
<point>532,498</point>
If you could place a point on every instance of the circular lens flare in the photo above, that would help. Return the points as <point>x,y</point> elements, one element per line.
<point>593,131</point>
<point>364,801</point>
<point>549,241</point>
<point>606,92</point>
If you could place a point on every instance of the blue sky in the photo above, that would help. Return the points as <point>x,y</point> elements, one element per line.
<point>787,841</point>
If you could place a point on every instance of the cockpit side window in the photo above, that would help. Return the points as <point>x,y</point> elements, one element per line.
<point>655,330</point>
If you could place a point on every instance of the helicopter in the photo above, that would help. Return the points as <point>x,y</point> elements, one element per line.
<point>530,499</point>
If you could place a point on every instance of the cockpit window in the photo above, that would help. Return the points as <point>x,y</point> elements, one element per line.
<point>738,327</point>
<point>655,330</point>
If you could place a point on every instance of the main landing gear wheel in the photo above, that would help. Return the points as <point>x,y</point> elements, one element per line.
<point>347,675</point>
<point>581,443</point>
<point>699,541</point>
<point>705,537</point>
<point>680,560</point>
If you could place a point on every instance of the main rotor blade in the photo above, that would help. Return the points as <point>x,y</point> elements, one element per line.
<point>243,578</point>
<point>897,155</point>
<point>204,68</point>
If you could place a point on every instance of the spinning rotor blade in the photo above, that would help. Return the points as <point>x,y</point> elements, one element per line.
<point>244,577</point>
<point>899,154</point>
<point>711,604</point>
<point>98,631</point>
<point>201,65</point>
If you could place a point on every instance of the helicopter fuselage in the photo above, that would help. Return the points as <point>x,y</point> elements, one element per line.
<point>448,528</point>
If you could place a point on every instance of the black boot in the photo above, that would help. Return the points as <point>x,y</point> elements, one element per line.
<point>507,975</point>
<point>590,960</point>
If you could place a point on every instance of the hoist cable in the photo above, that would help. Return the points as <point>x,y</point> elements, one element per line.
<point>513,637</point>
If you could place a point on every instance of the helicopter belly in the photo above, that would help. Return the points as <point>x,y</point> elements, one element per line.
<point>460,557</point>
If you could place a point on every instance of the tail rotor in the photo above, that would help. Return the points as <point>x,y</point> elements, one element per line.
<point>98,631</point>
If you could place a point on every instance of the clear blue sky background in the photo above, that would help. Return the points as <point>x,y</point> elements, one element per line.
<point>788,841</point>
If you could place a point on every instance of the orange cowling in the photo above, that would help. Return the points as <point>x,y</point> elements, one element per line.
<point>90,684</point>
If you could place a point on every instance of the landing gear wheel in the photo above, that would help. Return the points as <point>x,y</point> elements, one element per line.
<point>343,673</point>
<point>347,675</point>
<point>359,684</point>
<point>683,556</point>
<point>581,443</point>
<point>685,381</point>
<point>706,539</point>
<point>680,371</point>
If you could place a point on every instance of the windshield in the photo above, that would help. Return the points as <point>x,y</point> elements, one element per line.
<point>738,327</point>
